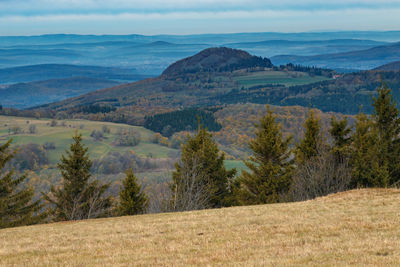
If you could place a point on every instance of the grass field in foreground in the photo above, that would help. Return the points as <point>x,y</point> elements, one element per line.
<point>359,227</point>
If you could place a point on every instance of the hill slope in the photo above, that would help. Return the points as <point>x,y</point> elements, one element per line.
<point>393,66</point>
<point>23,95</point>
<point>352,228</point>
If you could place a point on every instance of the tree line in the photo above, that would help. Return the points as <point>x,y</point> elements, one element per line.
<point>279,170</point>
<point>181,120</point>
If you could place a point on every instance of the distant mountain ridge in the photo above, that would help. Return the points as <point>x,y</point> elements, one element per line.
<point>362,59</point>
<point>23,95</point>
<point>57,71</point>
<point>151,55</point>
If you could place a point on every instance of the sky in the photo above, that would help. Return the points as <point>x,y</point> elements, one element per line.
<point>151,17</point>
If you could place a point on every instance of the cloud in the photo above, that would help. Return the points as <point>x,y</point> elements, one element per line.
<point>194,16</point>
<point>204,22</point>
<point>106,6</point>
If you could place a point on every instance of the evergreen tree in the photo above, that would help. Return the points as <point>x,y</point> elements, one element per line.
<point>132,199</point>
<point>16,204</point>
<point>201,155</point>
<point>308,147</point>
<point>78,198</point>
<point>270,166</point>
<point>368,169</point>
<point>387,124</point>
<point>341,135</point>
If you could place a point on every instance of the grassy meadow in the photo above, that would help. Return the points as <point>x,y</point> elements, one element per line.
<point>358,227</point>
<point>61,136</point>
<point>287,78</point>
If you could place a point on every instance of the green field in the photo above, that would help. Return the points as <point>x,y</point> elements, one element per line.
<point>61,136</point>
<point>288,78</point>
<point>238,164</point>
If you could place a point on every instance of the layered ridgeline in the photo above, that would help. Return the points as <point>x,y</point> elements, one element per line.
<point>359,59</point>
<point>220,76</point>
<point>28,86</point>
<point>28,94</point>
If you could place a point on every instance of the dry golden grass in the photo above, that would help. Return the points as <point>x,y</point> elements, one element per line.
<point>360,227</point>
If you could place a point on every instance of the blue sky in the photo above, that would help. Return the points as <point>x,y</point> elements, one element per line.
<point>33,17</point>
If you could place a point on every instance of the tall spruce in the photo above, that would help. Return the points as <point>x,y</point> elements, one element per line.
<point>132,199</point>
<point>201,154</point>
<point>78,197</point>
<point>308,146</point>
<point>340,132</point>
<point>17,206</point>
<point>387,124</point>
<point>270,165</point>
<point>368,169</point>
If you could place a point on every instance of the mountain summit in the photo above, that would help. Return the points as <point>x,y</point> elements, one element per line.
<point>217,59</point>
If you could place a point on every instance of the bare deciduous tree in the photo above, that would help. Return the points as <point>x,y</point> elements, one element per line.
<point>320,176</point>
<point>191,193</point>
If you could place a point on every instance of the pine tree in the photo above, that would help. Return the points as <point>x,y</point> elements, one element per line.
<point>270,166</point>
<point>203,164</point>
<point>341,135</point>
<point>368,169</point>
<point>132,199</point>
<point>16,204</point>
<point>308,147</point>
<point>387,124</point>
<point>78,198</point>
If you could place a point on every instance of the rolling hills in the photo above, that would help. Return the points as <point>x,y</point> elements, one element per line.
<point>195,81</point>
<point>220,76</point>
<point>358,228</point>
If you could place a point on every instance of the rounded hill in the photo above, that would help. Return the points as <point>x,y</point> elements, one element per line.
<point>217,59</point>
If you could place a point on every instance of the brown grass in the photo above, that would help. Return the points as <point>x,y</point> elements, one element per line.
<point>360,227</point>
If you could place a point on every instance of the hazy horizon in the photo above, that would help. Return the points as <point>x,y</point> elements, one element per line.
<point>179,17</point>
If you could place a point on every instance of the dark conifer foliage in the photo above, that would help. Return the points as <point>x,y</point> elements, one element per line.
<point>368,170</point>
<point>270,166</point>
<point>201,157</point>
<point>387,124</point>
<point>181,120</point>
<point>308,147</point>
<point>16,204</point>
<point>132,198</point>
<point>78,197</point>
<point>340,132</point>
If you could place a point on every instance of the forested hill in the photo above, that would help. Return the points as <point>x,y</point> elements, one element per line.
<point>217,59</point>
